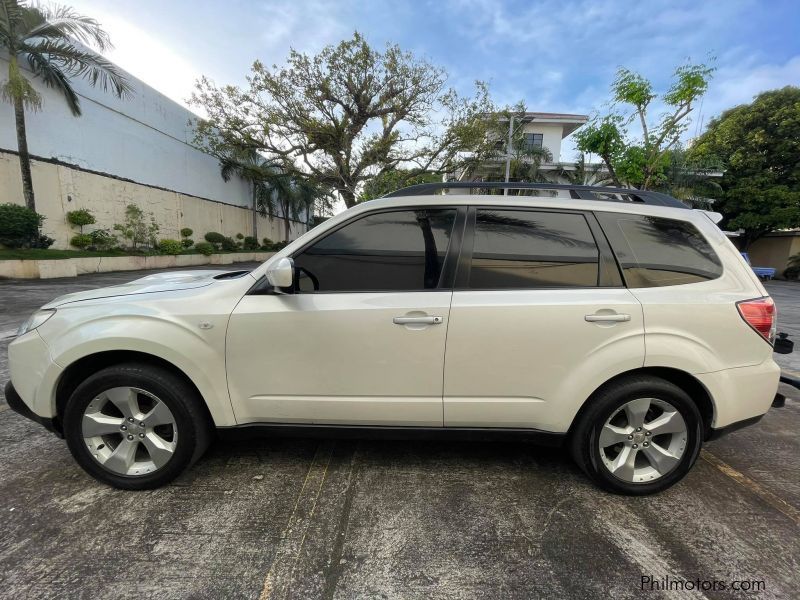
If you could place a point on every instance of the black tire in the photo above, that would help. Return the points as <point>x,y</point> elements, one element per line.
<point>584,440</point>
<point>191,420</point>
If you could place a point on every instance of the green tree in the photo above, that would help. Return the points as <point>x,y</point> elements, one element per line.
<point>347,114</point>
<point>389,181</point>
<point>640,161</point>
<point>759,145</point>
<point>56,43</point>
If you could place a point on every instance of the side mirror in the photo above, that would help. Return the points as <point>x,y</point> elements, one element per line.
<point>281,274</point>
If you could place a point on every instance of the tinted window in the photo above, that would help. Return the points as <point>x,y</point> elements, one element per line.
<point>655,252</point>
<point>526,249</point>
<point>401,250</point>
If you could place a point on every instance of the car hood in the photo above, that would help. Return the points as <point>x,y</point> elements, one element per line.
<point>159,282</point>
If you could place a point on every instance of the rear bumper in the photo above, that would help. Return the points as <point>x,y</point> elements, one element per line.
<point>743,394</point>
<point>17,404</point>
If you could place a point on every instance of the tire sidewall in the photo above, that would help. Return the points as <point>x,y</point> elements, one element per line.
<point>609,403</point>
<point>155,382</point>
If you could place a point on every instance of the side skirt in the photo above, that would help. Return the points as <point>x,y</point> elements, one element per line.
<point>256,430</point>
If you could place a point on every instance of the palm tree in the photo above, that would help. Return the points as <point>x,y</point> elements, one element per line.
<point>57,44</point>
<point>272,187</point>
<point>586,173</point>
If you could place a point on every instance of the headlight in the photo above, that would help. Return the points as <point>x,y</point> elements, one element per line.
<point>35,320</point>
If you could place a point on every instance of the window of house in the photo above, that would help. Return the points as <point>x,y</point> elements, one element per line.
<point>654,252</point>
<point>528,249</point>
<point>533,140</point>
<point>389,251</point>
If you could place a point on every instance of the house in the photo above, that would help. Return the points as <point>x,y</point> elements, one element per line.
<point>538,130</point>
<point>136,150</point>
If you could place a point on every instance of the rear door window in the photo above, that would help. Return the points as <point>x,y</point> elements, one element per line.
<point>654,251</point>
<point>520,249</point>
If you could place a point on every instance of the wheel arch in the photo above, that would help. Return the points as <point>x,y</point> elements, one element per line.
<point>82,368</point>
<point>684,380</point>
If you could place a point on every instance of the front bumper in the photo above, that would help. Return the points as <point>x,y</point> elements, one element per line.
<point>17,404</point>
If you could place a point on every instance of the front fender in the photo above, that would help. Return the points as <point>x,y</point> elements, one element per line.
<point>176,339</point>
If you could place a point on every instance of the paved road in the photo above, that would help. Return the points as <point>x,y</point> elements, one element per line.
<point>365,519</point>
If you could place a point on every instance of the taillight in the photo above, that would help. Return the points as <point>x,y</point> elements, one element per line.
<point>761,315</point>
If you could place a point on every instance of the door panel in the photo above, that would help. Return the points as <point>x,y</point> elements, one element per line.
<point>338,358</point>
<point>529,358</point>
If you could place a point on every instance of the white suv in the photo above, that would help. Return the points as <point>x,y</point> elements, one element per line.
<point>617,323</point>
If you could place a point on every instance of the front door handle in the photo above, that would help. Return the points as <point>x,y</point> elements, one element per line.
<point>417,320</point>
<point>614,318</point>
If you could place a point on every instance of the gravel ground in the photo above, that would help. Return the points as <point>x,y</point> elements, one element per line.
<point>299,518</point>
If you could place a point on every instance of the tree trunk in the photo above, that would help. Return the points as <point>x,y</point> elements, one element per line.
<point>349,197</point>
<point>255,213</point>
<point>611,171</point>
<point>286,224</point>
<point>24,157</point>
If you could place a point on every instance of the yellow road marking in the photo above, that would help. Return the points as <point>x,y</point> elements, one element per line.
<point>774,501</point>
<point>294,534</point>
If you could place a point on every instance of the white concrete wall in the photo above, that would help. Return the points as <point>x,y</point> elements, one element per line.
<point>146,138</point>
<point>551,137</point>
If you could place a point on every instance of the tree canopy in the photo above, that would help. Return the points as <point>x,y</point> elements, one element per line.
<point>641,160</point>
<point>348,114</point>
<point>759,146</point>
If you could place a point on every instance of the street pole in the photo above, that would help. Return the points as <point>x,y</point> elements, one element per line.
<point>508,153</point>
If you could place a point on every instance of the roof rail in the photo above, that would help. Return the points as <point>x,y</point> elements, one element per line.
<point>578,192</point>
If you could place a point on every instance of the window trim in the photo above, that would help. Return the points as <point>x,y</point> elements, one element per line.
<point>448,266</point>
<point>609,275</point>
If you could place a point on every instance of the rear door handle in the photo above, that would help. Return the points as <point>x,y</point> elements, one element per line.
<point>616,318</point>
<point>417,320</point>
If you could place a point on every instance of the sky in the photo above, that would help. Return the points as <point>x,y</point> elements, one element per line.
<point>555,55</point>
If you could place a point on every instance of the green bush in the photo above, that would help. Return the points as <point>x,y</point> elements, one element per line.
<point>102,239</point>
<point>187,242</point>
<point>793,270</point>
<point>250,243</point>
<point>82,240</point>
<point>215,238</point>
<point>41,241</point>
<point>80,217</point>
<point>136,229</point>
<point>277,246</point>
<point>267,243</point>
<point>168,246</point>
<point>229,244</point>
<point>205,248</point>
<point>239,236</point>
<point>186,232</point>
<point>19,227</point>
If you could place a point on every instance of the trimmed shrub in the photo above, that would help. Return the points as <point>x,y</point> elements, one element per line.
<point>205,248</point>
<point>187,242</point>
<point>229,244</point>
<point>250,243</point>
<point>19,227</point>
<point>102,239</point>
<point>239,236</point>
<point>168,246</point>
<point>80,217</point>
<point>277,246</point>
<point>186,232</point>
<point>214,237</point>
<point>267,243</point>
<point>82,240</point>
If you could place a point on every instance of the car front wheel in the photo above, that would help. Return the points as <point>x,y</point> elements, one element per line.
<point>135,426</point>
<point>639,435</point>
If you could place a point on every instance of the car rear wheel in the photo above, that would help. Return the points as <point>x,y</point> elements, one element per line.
<point>135,426</point>
<point>639,435</point>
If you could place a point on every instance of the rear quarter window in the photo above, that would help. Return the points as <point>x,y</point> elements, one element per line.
<point>655,252</point>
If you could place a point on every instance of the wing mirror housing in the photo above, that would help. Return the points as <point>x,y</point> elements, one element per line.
<point>281,274</point>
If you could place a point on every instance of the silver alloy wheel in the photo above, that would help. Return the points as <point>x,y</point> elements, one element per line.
<point>129,431</point>
<point>643,440</point>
